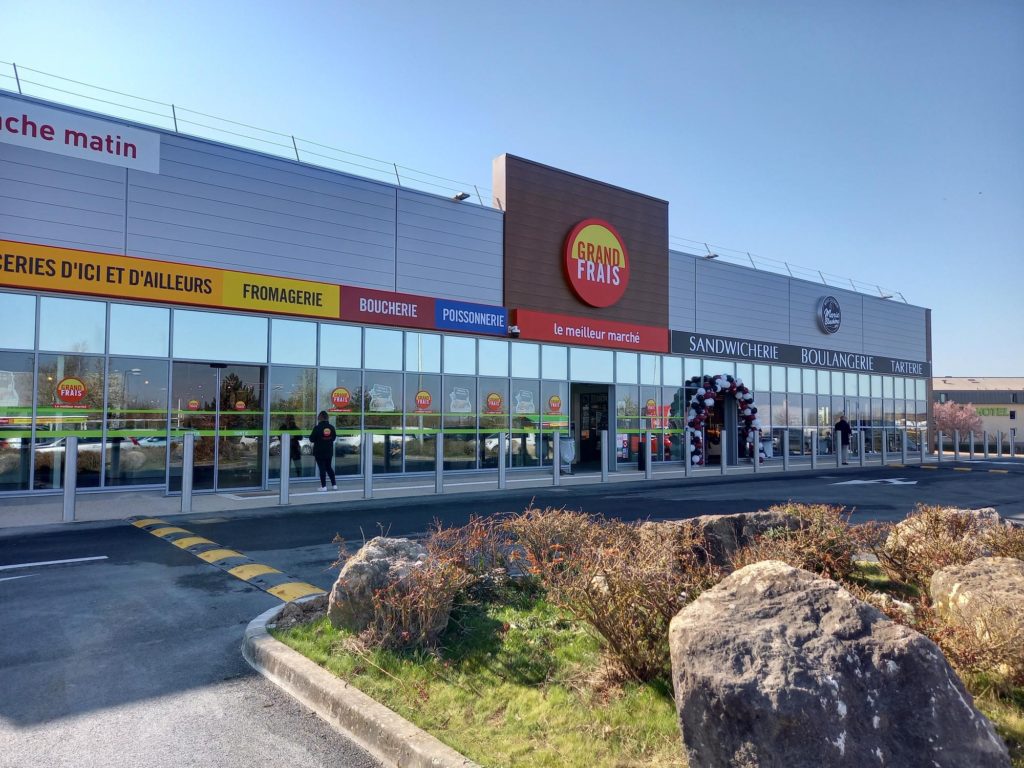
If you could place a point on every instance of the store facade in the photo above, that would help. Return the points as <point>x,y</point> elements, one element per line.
<point>156,284</point>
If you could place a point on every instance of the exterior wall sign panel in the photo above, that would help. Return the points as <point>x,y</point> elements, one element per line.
<point>564,329</point>
<point>27,124</point>
<point>470,318</point>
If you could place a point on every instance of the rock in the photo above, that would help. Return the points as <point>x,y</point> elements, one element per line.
<point>778,667</point>
<point>301,612</point>
<point>986,595</point>
<point>379,563</point>
<point>724,533</point>
<point>914,534</point>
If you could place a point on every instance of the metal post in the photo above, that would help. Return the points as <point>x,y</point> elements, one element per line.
<point>725,454</point>
<point>502,481</point>
<point>174,117</point>
<point>1013,447</point>
<point>70,477</point>
<point>687,452</point>
<point>286,466</point>
<point>814,449</point>
<point>837,446</point>
<point>984,439</point>
<point>649,466</point>
<point>999,444</point>
<point>860,445</point>
<point>755,448</point>
<point>903,446</point>
<point>785,450</point>
<point>557,469</point>
<point>604,455</point>
<point>885,447</point>
<point>17,79</point>
<point>188,452</point>
<point>439,464</point>
<point>921,437</point>
<point>956,445</point>
<point>296,148</point>
<point>938,449</point>
<point>367,465</point>
<point>972,445</point>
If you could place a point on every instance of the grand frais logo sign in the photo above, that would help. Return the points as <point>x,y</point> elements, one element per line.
<point>596,263</point>
<point>830,315</point>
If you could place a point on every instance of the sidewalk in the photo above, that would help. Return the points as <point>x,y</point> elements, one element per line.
<point>109,504</point>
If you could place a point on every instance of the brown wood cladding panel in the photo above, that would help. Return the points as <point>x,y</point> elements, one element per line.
<point>541,207</point>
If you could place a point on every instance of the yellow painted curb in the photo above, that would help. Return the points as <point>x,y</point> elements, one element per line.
<point>147,521</point>
<point>1000,471</point>
<point>190,541</point>
<point>961,469</point>
<point>214,555</point>
<point>293,590</point>
<point>247,571</point>
<point>161,532</point>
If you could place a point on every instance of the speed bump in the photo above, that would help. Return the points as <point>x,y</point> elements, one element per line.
<point>270,580</point>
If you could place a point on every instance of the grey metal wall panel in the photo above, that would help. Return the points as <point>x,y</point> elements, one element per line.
<point>52,199</point>
<point>449,249</point>
<point>894,329</point>
<point>740,302</point>
<point>682,295</point>
<point>803,324</point>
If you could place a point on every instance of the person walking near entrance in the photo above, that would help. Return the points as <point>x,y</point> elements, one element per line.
<point>843,430</point>
<point>322,437</point>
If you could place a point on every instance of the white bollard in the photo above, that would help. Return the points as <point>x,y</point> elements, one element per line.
<point>725,454</point>
<point>649,464</point>
<point>556,471</point>
<point>70,477</point>
<point>604,455</point>
<point>286,464</point>
<point>885,448</point>
<point>984,440</point>
<point>367,465</point>
<point>785,450</point>
<point>903,446</point>
<point>756,449</point>
<point>972,445</point>
<point>188,452</point>
<point>439,463</point>
<point>814,449</point>
<point>938,451</point>
<point>687,452</point>
<point>956,445</point>
<point>860,445</point>
<point>502,483</point>
<point>999,444</point>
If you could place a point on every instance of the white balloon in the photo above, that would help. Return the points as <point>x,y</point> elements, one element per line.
<point>739,382</point>
<point>691,414</point>
<point>710,402</point>
<point>700,392</point>
<point>746,411</point>
<point>756,423</point>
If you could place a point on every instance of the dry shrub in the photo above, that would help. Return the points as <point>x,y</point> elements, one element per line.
<point>624,585</point>
<point>932,537</point>
<point>480,547</point>
<point>414,611</point>
<point>824,542</point>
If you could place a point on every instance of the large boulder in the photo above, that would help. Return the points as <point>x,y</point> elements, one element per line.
<point>723,534</point>
<point>378,564</point>
<point>778,667</point>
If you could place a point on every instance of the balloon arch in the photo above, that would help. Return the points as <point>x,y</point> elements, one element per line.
<point>709,390</point>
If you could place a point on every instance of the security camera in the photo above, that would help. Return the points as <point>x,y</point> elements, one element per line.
<point>513,331</point>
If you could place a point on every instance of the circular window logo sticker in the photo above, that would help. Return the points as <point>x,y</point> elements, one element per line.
<point>239,405</point>
<point>830,315</point>
<point>554,404</point>
<point>494,402</point>
<point>596,263</point>
<point>193,405</point>
<point>423,400</point>
<point>70,390</point>
<point>341,398</point>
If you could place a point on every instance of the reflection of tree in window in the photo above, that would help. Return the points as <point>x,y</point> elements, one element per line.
<point>233,390</point>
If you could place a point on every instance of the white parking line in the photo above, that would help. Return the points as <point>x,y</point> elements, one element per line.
<point>12,578</point>
<point>52,562</point>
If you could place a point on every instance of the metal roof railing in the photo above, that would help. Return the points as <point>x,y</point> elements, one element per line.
<point>27,81</point>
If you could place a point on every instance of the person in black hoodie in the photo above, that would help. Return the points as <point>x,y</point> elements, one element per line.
<point>322,437</point>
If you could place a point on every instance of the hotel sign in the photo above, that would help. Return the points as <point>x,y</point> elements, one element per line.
<point>702,345</point>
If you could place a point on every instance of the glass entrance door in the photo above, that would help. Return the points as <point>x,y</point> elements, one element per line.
<point>223,406</point>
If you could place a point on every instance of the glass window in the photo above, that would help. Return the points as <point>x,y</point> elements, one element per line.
<point>341,346</point>
<point>591,364</point>
<point>793,376</point>
<point>823,383</point>
<point>525,403</point>
<point>900,387</point>
<point>493,357</point>
<point>837,383</point>
<point>383,417</point>
<point>69,396</point>
<point>340,393</point>
<point>423,403</point>
<point>778,378</point>
<point>745,373</point>
<point>526,360</point>
<point>627,422</point>
<point>762,379</point>
<point>672,370</point>
<point>460,404</point>
<point>810,381</point>
<point>423,352</point>
<point>459,355</point>
<point>887,386</point>
<point>715,368</point>
<point>293,409</point>
<point>15,419</point>
<point>292,342</point>
<point>71,325</point>
<point>18,330</point>
<point>650,369</point>
<point>876,386</point>
<point>136,452</point>
<point>494,417</point>
<point>864,385</point>
<point>136,330</point>
<point>554,397</point>
<point>382,349</point>
<point>626,368</point>
<point>850,384</point>
<point>921,391</point>
<point>554,363</point>
<point>691,368</point>
<point>215,336</point>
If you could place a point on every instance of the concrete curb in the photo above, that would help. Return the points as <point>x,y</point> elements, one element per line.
<point>388,737</point>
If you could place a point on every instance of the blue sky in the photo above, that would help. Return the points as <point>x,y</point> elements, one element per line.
<point>876,140</point>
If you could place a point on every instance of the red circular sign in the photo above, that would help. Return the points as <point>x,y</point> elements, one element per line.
<point>71,390</point>
<point>423,400</point>
<point>239,405</point>
<point>596,263</point>
<point>554,404</point>
<point>341,397</point>
<point>494,402</point>
<point>193,405</point>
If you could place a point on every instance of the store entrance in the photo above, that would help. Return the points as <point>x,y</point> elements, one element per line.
<point>223,405</point>
<point>590,416</point>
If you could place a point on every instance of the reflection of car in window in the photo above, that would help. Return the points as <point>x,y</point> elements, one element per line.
<point>380,398</point>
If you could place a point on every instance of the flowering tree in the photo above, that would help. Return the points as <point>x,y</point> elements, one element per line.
<point>951,417</point>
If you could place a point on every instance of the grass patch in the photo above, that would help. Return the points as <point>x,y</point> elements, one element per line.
<point>1006,711</point>
<point>515,683</point>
